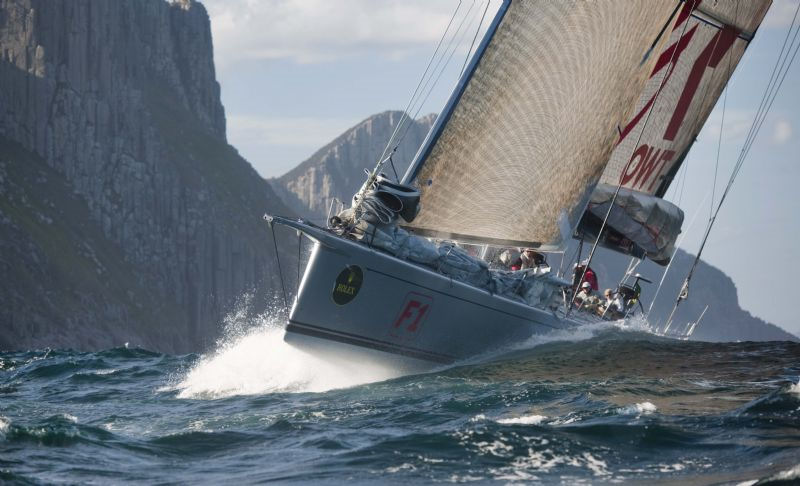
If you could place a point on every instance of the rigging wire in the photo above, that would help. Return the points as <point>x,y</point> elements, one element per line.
<point>444,67</point>
<point>770,93</point>
<point>407,117</point>
<point>672,257</point>
<point>685,177</point>
<point>639,138</point>
<point>278,260</point>
<point>772,76</point>
<point>695,130</point>
<point>632,265</point>
<point>416,90</point>
<point>475,37</point>
<point>719,145</point>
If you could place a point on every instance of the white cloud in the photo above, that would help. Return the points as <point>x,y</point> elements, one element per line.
<point>308,31</point>
<point>782,132</point>
<point>737,125</point>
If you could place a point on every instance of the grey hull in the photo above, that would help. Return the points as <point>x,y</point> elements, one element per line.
<point>402,315</point>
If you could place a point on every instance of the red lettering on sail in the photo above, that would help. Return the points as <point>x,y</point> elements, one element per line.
<point>671,56</point>
<point>666,157</point>
<point>710,57</point>
<point>643,165</point>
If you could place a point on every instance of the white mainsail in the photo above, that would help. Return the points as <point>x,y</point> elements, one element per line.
<point>704,47</point>
<point>514,156</point>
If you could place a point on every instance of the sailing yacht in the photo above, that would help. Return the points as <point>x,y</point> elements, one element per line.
<point>570,121</point>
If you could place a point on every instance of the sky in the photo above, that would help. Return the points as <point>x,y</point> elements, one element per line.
<point>297,73</point>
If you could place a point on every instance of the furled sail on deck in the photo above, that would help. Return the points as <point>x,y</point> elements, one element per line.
<point>527,134</point>
<point>706,43</point>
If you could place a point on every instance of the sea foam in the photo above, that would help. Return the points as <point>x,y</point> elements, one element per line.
<point>252,358</point>
<point>523,420</point>
<point>643,408</point>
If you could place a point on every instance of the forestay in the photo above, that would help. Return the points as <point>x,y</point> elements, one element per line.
<point>524,138</point>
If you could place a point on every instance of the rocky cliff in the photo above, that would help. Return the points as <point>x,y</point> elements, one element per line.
<point>337,169</point>
<point>124,213</point>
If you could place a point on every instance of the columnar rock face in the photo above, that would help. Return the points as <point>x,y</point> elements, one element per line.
<point>113,109</point>
<point>337,169</point>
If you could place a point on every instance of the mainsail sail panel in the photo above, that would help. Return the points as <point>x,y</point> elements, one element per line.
<point>704,48</point>
<point>537,120</point>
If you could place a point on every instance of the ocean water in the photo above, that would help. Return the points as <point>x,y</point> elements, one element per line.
<point>604,404</point>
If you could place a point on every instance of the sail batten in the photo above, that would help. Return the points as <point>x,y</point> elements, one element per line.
<point>536,121</point>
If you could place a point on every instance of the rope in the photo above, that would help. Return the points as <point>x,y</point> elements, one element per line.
<point>452,51</point>
<point>391,162</point>
<point>373,205</point>
<point>770,93</point>
<point>416,90</point>
<point>280,271</point>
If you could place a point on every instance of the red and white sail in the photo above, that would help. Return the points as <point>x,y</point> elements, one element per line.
<point>707,42</point>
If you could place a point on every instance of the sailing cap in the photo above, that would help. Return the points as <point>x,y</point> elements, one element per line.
<point>586,285</point>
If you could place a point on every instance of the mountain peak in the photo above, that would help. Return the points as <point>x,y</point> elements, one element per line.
<point>336,170</point>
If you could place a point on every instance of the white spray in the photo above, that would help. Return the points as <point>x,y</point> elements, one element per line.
<point>252,358</point>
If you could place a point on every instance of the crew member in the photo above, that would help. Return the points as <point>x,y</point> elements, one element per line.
<point>609,295</point>
<point>615,307</point>
<point>531,258</point>
<point>584,294</point>
<point>510,259</point>
<point>588,275</point>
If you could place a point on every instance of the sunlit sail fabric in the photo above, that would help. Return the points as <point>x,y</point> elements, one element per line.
<point>514,159</point>
<point>706,43</point>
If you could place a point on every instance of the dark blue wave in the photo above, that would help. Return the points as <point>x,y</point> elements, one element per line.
<point>621,406</point>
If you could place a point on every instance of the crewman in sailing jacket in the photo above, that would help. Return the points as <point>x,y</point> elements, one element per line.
<point>531,258</point>
<point>588,276</point>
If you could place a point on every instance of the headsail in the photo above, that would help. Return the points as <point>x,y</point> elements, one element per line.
<point>706,43</point>
<point>524,139</point>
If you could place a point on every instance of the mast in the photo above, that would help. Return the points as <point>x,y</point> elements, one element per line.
<point>455,96</point>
